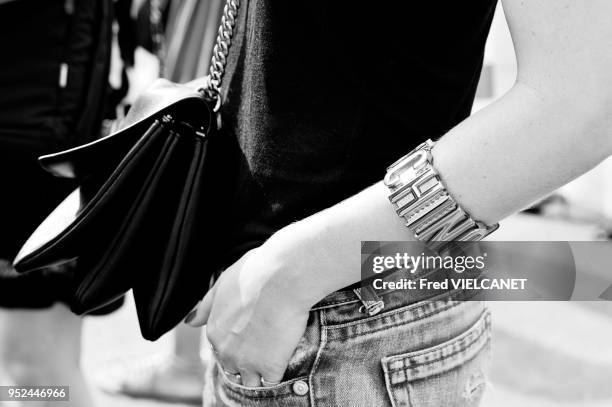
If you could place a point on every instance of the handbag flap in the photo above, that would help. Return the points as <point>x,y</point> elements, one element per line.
<point>161,97</point>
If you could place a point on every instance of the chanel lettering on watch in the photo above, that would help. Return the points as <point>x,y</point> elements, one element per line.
<point>420,198</point>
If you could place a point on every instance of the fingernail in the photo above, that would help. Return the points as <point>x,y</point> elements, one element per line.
<point>191,315</point>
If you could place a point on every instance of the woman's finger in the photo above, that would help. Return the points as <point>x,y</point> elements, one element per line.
<point>225,364</point>
<point>199,315</point>
<point>250,379</point>
<point>232,373</point>
<point>268,380</point>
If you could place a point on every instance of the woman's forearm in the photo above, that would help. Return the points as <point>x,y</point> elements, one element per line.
<point>494,164</point>
<point>321,254</point>
<point>519,149</point>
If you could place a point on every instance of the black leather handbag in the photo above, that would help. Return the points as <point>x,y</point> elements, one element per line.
<point>150,213</point>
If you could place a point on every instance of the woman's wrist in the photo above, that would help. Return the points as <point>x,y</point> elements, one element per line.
<point>292,260</point>
<point>322,253</point>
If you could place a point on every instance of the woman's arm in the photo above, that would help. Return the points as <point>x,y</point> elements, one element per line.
<point>555,124</point>
<point>552,126</point>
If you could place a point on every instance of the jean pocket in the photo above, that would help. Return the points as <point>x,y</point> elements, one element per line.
<point>449,374</point>
<point>293,392</point>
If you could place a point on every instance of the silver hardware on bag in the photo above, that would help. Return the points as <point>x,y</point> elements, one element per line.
<point>421,199</point>
<point>212,89</point>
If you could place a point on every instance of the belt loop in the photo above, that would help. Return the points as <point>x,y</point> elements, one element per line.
<point>372,303</point>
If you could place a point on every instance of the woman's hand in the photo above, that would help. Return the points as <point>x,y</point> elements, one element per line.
<point>257,311</point>
<point>252,321</point>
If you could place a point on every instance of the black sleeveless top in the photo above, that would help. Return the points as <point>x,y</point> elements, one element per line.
<point>323,95</point>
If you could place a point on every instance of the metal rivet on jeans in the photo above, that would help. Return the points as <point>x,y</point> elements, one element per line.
<point>300,388</point>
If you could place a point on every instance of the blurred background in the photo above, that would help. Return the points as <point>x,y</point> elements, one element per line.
<point>544,354</point>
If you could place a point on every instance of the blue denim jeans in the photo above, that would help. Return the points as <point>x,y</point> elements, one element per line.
<point>431,353</point>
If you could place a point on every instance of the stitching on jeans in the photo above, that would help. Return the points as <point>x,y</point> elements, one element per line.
<point>391,325</point>
<point>428,306</point>
<point>441,301</point>
<point>449,358</point>
<point>315,366</point>
<point>484,332</point>
<point>258,393</point>
<point>388,384</point>
<point>469,340</point>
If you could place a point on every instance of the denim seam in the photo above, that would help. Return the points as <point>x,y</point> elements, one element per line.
<point>315,366</point>
<point>435,308</point>
<point>388,385</point>
<point>406,370</point>
<point>471,340</point>
<point>390,325</point>
<point>437,305</point>
<point>452,356</point>
<point>240,390</point>
<point>388,372</point>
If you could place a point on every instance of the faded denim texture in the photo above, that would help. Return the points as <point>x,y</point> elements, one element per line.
<point>431,353</point>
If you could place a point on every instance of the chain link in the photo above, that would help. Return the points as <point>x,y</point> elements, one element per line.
<point>212,90</point>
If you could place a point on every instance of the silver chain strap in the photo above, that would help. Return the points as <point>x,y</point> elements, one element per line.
<point>212,90</point>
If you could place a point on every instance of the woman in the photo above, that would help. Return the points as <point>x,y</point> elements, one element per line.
<point>322,97</point>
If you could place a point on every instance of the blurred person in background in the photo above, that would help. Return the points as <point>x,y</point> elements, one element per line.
<point>54,94</point>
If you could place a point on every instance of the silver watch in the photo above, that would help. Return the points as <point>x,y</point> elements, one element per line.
<point>420,198</point>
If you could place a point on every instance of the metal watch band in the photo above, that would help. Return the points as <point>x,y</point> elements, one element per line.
<point>420,198</point>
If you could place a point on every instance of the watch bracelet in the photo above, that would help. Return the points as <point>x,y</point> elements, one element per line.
<point>420,198</point>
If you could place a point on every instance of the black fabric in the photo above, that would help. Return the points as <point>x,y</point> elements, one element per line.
<point>33,43</point>
<point>41,289</point>
<point>36,38</point>
<point>324,95</point>
<point>38,116</point>
<point>27,196</point>
<point>126,34</point>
